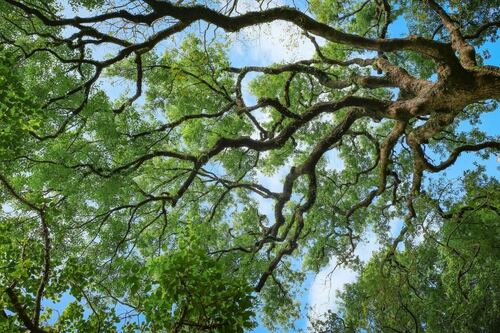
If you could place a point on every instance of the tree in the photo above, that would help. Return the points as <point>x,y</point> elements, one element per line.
<point>144,212</point>
<point>447,282</point>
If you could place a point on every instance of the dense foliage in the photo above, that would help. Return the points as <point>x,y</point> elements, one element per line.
<point>446,282</point>
<point>137,163</point>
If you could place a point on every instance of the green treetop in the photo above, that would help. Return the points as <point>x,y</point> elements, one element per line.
<point>152,211</point>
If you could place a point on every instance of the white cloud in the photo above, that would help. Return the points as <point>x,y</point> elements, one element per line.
<point>322,294</point>
<point>271,43</point>
<point>278,41</point>
<point>273,183</point>
<point>323,291</point>
<point>395,226</point>
<point>333,161</point>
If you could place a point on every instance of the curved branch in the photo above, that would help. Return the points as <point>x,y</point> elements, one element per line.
<point>456,153</point>
<point>33,325</point>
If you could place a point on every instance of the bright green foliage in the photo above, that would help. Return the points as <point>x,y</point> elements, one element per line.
<point>150,183</point>
<point>18,112</point>
<point>191,285</point>
<point>446,282</point>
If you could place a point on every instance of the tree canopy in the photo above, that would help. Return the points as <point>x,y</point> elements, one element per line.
<point>136,156</point>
